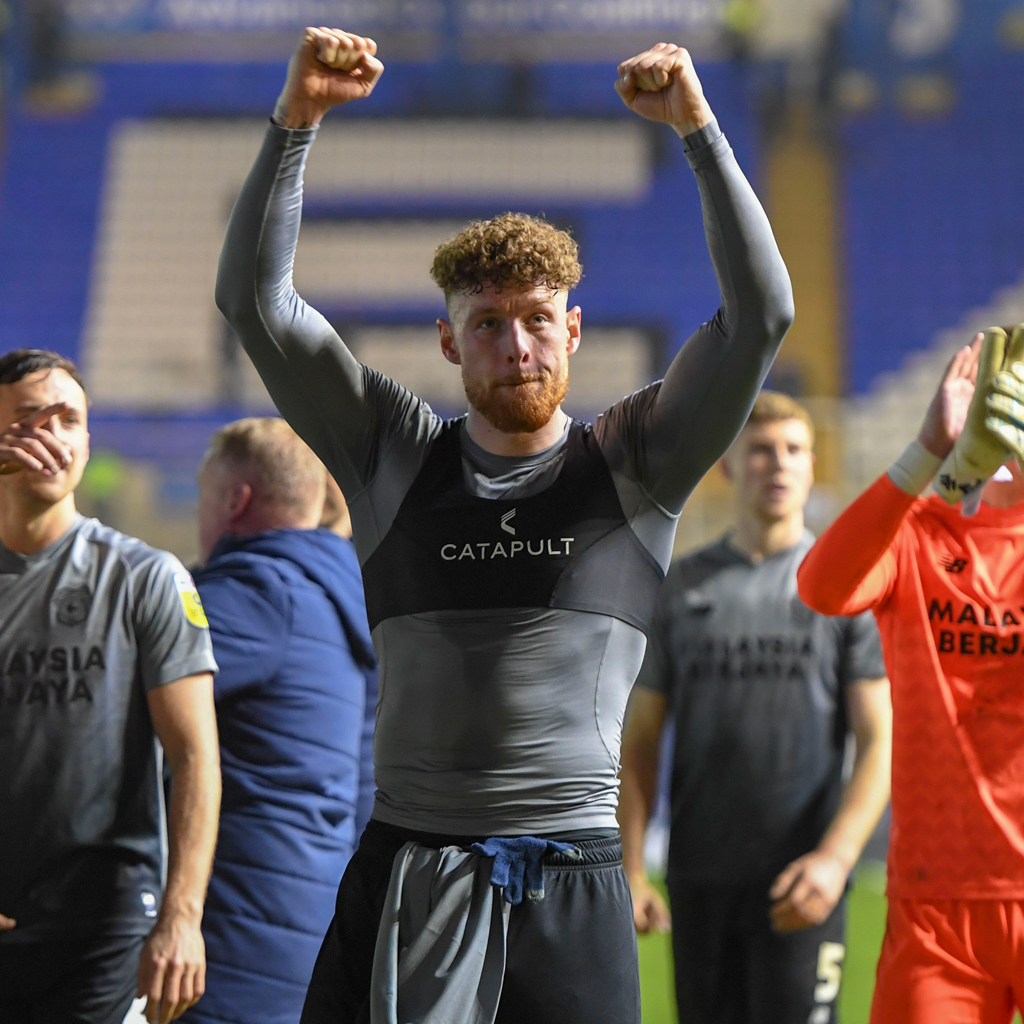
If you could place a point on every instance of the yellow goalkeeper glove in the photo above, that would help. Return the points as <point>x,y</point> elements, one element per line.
<point>978,453</point>
<point>1004,402</point>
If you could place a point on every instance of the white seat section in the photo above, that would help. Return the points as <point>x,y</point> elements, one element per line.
<point>609,364</point>
<point>153,336</point>
<point>412,356</point>
<point>493,158</point>
<point>370,261</point>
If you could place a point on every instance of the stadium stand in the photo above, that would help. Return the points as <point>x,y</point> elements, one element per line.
<point>154,336</point>
<point>931,209</point>
<point>877,426</point>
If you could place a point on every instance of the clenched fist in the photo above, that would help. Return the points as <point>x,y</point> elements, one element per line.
<point>330,67</point>
<point>661,84</point>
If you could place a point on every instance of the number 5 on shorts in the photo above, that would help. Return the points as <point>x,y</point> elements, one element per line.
<point>830,971</point>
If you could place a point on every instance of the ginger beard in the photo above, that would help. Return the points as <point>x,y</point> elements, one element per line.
<point>520,405</point>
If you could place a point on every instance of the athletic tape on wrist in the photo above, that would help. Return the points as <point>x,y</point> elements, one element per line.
<point>912,472</point>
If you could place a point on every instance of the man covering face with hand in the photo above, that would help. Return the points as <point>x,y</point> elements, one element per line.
<point>104,649</point>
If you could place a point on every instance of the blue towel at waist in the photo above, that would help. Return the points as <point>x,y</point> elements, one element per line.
<point>521,860</point>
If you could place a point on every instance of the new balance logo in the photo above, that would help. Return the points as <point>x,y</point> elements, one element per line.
<point>955,565</point>
<point>506,519</point>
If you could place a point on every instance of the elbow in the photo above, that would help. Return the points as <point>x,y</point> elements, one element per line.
<point>765,322</point>
<point>779,314</point>
<point>814,594</point>
<point>229,297</point>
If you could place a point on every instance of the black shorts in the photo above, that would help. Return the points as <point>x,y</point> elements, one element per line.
<point>69,981</point>
<point>570,958</point>
<point>731,968</point>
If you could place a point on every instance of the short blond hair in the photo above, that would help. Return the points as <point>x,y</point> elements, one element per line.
<point>773,406</point>
<point>513,249</point>
<point>279,466</point>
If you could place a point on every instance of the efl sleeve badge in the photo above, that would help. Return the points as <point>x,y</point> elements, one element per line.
<point>190,600</point>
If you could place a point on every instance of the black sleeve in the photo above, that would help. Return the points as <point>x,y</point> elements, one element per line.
<point>346,412</point>
<point>673,431</point>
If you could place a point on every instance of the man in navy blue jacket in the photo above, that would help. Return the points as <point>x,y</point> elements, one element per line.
<point>295,699</point>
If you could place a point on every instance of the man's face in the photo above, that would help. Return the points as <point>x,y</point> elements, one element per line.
<point>513,345</point>
<point>70,427</point>
<point>772,466</point>
<point>215,505</point>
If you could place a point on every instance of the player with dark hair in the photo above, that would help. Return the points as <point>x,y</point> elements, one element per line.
<point>947,590</point>
<point>511,558</point>
<point>104,649</point>
<point>764,695</point>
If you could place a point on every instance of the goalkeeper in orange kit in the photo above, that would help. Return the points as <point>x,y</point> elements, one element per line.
<point>946,585</point>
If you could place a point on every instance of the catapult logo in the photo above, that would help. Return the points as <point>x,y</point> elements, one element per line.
<point>483,551</point>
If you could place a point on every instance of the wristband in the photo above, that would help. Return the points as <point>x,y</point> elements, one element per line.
<point>912,472</point>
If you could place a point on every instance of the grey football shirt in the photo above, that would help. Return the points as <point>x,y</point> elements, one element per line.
<point>88,625</point>
<point>757,686</point>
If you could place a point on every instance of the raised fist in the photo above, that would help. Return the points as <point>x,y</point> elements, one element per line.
<point>661,84</point>
<point>330,67</point>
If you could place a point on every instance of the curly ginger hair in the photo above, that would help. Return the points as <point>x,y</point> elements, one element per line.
<point>513,249</point>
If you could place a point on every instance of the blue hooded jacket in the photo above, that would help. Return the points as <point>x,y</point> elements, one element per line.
<point>296,695</point>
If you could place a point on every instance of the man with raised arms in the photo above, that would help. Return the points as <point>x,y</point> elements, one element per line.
<point>511,556</point>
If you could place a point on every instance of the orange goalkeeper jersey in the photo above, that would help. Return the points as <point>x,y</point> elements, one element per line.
<point>948,594</point>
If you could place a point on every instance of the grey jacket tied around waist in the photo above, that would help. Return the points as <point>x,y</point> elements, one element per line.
<point>440,956</point>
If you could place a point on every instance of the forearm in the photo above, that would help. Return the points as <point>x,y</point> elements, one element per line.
<point>757,296</point>
<point>638,786</point>
<point>863,802</point>
<point>711,385</point>
<point>315,382</point>
<point>851,565</point>
<point>192,832</point>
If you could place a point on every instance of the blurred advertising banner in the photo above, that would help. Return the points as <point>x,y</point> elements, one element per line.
<point>133,16</point>
<point>465,16</point>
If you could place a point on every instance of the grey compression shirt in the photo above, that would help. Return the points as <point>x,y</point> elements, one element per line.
<point>503,721</point>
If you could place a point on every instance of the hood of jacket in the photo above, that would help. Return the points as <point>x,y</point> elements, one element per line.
<point>323,557</point>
